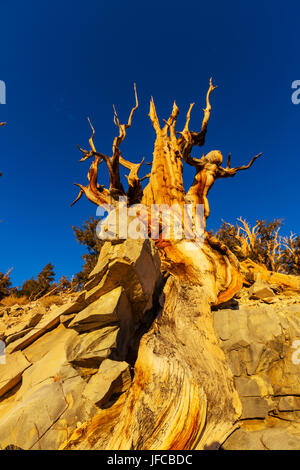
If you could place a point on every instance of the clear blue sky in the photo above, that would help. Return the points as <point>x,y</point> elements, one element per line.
<point>65,60</point>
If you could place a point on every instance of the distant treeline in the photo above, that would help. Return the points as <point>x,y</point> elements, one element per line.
<point>261,243</point>
<point>45,284</point>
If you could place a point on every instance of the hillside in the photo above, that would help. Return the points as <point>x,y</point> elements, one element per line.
<point>135,361</point>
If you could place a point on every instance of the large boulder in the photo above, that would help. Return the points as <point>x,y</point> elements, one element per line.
<point>252,337</point>
<point>62,364</point>
<point>110,308</point>
<point>258,342</point>
<point>32,417</point>
<point>23,327</point>
<point>46,323</point>
<point>134,265</point>
<point>11,371</point>
<point>261,290</point>
<point>90,349</point>
<point>113,377</point>
<point>43,419</point>
<point>49,403</point>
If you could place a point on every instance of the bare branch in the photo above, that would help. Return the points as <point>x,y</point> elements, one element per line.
<point>228,161</point>
<point>145,177</point>
<point>81,192</point>
<point>97,198</point>
<point>93,191</point>
<point>134,192</point>
<point>116,118</point>
<point>170,123</point>
<point>8,273</point>
<point>91,140</point>
<point>153,116</point>
<point>251,236</point>
<point>228,172</point>
<point>188,117</point>
<point>189,139</point>
<point>122,127</point>
<point>289,243</point>
<point>245,167</point>
<point>133,167</point>
<point>88,153</point>
<point>113,162</point>
<point>207,111</point>
<point>133,109</point>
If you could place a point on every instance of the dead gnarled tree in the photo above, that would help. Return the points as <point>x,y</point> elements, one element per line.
<point>182,395</point>
<point>171,149</point>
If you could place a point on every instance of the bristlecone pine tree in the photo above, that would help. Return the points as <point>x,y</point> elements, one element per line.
<point>180,374</point>
<point>86,235</point>
<point>5,284</point>
<point>33,289</point>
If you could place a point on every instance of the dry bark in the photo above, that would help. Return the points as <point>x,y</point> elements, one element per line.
<point>171,149</point>
<point>182,396</point>
<point>251,271</point>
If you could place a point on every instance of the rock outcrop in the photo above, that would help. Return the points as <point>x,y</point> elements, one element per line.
<point>145,359</point>
<point>259,343</point>
<point>64,363</point>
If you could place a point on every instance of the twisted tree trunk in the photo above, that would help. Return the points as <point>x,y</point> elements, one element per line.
<point>182,395</point>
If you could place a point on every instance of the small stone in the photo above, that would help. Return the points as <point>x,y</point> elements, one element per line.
<point>261,290</point>
<point>113,377</point>
<point>107,310</point>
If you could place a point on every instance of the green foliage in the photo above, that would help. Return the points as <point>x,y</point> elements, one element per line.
<point>5,284</point>
<point>45,278</point>
<point>64,284</point>
<point>33,289</point>
<point>291,255</point>
<point>262,244</point>
<point>44,282</point>
<point>268,248</point>
<point>86,235</point>
<point>228,234</point>
<point>29,288</point>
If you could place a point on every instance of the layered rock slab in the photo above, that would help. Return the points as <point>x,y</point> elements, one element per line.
<point>11,371</point>
<point>113,377</point>
<point>258,343</point>
<point>132,264</point>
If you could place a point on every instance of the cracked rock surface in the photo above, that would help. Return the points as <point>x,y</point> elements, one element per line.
<point>259,344</point>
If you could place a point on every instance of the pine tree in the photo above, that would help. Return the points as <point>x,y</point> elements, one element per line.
<point>45,278</point>
<point>64,284</point>
<point>29,288</point>
<point>291,254</point>
<point>33,289</point>
<point>5,284</point>
<point>262,244</point>
<point>86,235</point>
